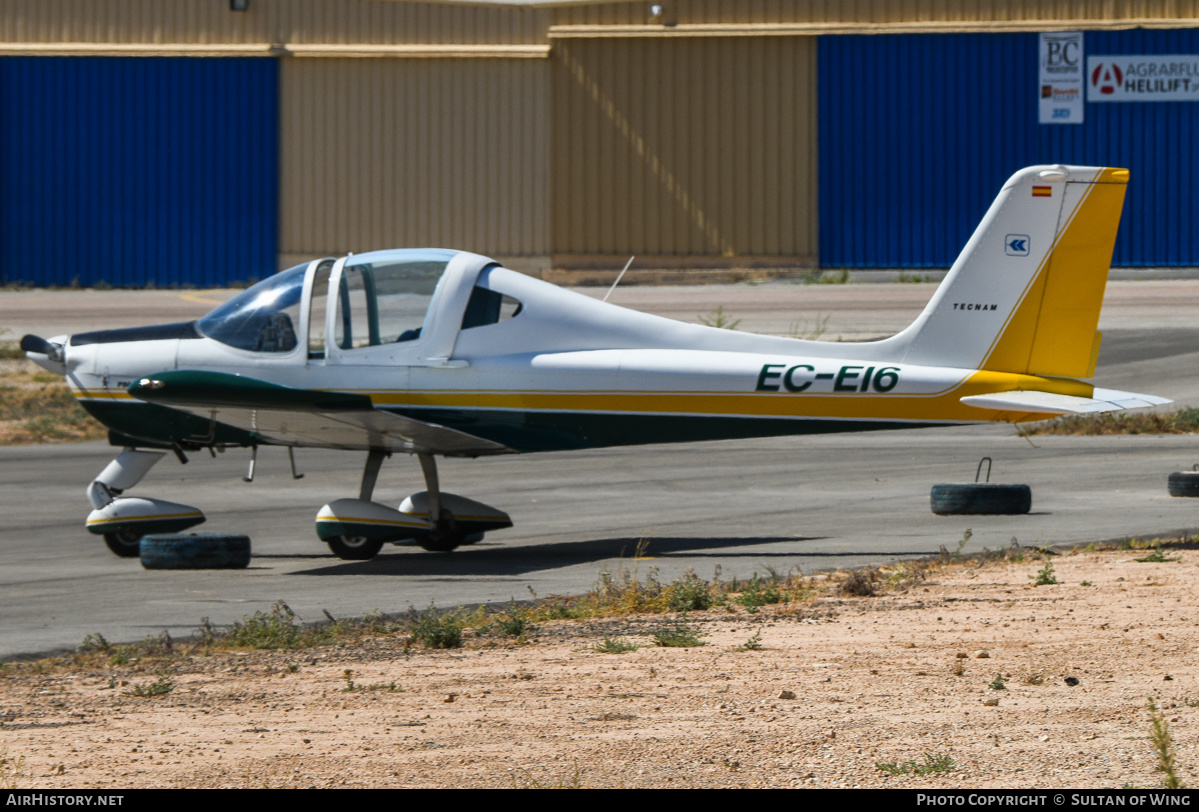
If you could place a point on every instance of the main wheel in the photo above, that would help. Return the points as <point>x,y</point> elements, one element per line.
<point>354,548</point>
<point>195,551</point>
<point>981,499</point>
<point>125,543</point>
<point>447,536</point>
<point>443,542</point>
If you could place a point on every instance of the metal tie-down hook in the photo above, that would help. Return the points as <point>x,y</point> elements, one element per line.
<point>249,477</point>
<point>979,470</point>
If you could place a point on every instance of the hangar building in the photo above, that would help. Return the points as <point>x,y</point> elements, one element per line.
<point>202,142</point>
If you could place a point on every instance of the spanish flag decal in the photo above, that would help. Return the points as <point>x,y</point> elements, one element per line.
<point>1042,191</point>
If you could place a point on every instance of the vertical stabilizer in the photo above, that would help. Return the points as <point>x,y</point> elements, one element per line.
<point>1025,293</point>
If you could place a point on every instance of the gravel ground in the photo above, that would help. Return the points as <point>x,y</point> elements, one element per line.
<point>839,686</point>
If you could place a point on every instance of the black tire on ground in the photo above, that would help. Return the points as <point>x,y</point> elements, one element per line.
<point>125,543</point>
<point>980,498</point>
<point>195,551</point>
<point>354,548</point>
<point>1183,483</point>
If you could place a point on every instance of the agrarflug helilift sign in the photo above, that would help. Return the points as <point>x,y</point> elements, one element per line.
<point>1122,78</point>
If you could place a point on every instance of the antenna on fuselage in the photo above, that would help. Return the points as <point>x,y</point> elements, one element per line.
<point>618,278</point>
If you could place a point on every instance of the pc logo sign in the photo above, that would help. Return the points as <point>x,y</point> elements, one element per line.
<point>1016,245</point>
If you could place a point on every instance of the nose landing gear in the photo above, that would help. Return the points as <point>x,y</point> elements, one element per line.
<point>123,520</point>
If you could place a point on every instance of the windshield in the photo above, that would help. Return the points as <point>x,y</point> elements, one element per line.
<point>263,318</point>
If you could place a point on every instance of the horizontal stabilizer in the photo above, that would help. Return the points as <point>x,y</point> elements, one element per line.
<point>1103,400</point>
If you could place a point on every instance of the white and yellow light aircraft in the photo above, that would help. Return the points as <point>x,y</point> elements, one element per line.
<point>434,352</point>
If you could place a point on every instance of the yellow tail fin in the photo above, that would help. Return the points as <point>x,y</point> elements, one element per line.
<point>1052,331</point>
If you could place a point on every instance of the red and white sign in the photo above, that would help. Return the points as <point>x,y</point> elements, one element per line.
<point>1143,78</point>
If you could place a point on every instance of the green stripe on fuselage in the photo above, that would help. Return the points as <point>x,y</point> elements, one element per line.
<point>561,431</point>
<point>524,431</point>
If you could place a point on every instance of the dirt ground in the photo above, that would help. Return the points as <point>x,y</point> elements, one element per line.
<point>839,686</point>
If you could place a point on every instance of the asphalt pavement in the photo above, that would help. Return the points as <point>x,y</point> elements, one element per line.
<point>732,508</point>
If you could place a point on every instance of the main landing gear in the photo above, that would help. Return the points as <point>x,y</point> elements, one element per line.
<point>123,520</point>
<point>356,529</point>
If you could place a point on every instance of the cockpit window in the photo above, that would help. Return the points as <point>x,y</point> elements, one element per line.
<point>383,296</point>
<point>263,318</point>
<point>489,307</point>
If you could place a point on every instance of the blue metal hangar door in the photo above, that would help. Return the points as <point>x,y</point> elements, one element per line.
<point>136,171</point>
<point>918,132</point>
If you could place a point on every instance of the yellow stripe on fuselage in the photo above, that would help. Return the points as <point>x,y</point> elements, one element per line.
<point>102,394</point>
<point>944,405</point>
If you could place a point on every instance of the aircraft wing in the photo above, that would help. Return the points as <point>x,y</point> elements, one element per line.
<point>283,415</point>
<point>1102,400</point>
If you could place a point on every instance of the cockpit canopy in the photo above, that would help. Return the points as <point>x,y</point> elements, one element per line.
<point>380,298</point>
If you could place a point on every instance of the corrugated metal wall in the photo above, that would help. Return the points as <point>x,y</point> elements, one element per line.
<point>137,171</point>
<point>688,147</point>
<point>278,22</point>
<point>281,22</point>
<point>384,153</point>
<point>709,12</point>
<point>688,136</point>
<point>918,133</point>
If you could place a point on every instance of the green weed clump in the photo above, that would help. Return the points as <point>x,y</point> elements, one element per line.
<point>1163,746</point>
<point>277,629</point>
<point>354,687</point>
<point>933,763</point>
<point>434,629</point>
<point>808,332</point>
<point>96,647</point>
<point>752,644</point>
<point>679,635</point>
<point>1156,557</point>
<point>688,593</point>
<point>718,318</point>
<point>615,645</point>
<point>160,687</point>
<point>12,769</point>
<point>1044,576</point>
<point>757,593</point>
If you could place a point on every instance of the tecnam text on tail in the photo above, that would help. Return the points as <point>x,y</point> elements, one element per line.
<point>435,352</point>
